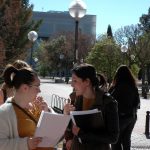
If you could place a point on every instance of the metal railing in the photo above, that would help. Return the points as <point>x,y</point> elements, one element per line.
<point>58,102</point>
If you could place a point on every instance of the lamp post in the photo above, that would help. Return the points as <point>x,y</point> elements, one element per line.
<point>132,57</point>
<point>32,36</point>
<point>61,67</point>
<point>61,56</point>
<point>124,50</point>
<point>77,10</point>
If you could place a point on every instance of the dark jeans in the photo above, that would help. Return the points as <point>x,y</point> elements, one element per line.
<point>126,125</point>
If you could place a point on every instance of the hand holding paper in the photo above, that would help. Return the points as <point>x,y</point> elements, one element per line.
<point>87,120</point>
<point>51,127</point>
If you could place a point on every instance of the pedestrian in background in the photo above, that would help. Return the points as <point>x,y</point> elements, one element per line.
<point>17,122</point>
<point>125,91</point>
<point>90,96</point>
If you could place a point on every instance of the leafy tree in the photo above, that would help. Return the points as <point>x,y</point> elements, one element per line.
<point>57,52</point>
<point>145,22</point>
<point>50,53</point>
<point>109,32</point>
<point>137,39</point>
<point>102,57</point>
<point>144,49</point>
<point>85,45</point>
<point>15,23</point>
<point>128,36</point>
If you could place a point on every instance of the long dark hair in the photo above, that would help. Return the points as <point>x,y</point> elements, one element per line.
<point>85,71</point>
<point>124,75</point>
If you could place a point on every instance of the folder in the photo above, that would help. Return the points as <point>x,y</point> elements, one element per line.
<point>89,120</point>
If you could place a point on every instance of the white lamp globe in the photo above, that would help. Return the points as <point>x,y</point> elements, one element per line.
<point>32,36</point>
<point>124,49</point>
<point>77,9</point>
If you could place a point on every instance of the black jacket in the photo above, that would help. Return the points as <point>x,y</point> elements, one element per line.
<point>127,97</point>
<point>101,139</point>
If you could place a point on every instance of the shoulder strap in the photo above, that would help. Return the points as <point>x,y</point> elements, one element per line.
<point>32,118</point>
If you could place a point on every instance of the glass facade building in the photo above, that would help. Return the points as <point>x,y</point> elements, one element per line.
<point>57,22</point>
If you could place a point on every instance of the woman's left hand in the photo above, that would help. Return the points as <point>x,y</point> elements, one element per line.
<point>41,104</point>
<point>75,130</point>
<point>67,108</point>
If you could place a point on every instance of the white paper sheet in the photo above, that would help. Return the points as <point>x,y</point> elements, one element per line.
<point>51,127</point>
<point>84,112</point>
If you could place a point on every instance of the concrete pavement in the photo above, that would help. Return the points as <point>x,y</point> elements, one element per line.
<point>138,140</point>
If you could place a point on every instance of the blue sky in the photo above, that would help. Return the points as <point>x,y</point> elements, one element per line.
<point>117,13</point>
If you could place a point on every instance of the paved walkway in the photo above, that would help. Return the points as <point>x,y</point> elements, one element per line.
<point>139,140</point>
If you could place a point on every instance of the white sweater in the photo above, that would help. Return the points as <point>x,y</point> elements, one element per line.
<point>9,138</point>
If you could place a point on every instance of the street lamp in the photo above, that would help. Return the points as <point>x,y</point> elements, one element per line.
<point>61,56</point>
<point>124,50</point>
<point>32,36</point>
<point>132,57</point>
<point>77,10</point>
<point>61,64</point>
<point>36,60</point>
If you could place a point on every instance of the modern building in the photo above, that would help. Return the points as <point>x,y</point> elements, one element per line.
<point>57,22</point>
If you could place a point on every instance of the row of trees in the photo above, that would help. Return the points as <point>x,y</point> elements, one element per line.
<point>105,53</point>
<point>107,50</point>
<point>57,52</point>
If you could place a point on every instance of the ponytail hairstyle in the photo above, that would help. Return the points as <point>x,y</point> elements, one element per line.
<point>87,71</point>
<point>102,80</point>
<point>16,77</point>
<point>20,64</point>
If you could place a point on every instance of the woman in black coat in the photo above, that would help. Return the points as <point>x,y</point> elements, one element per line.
<point>90,96</point>
<point>125,91</point>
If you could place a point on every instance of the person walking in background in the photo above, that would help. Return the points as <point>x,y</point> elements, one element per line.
<point>89,96</point>
<point>17,122</point>
<point>125,91</point>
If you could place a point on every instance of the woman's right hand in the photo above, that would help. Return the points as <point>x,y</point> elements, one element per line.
<point>33,142</point>
<point>67,108</point>
<point>68,144</point>
<point>41,104</point>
